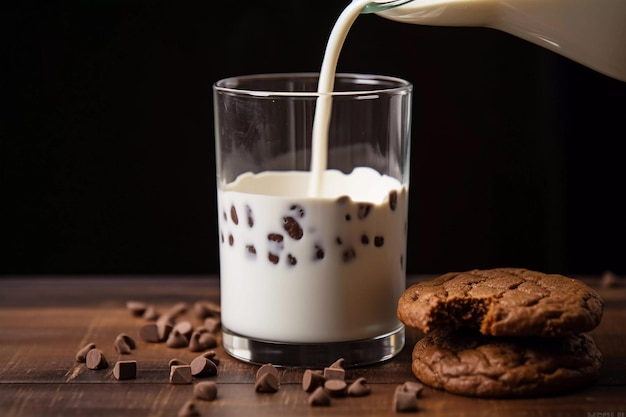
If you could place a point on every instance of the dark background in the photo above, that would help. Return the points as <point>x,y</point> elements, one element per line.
<point>107,156</point>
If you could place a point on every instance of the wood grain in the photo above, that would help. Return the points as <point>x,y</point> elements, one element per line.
<point>44,321</point>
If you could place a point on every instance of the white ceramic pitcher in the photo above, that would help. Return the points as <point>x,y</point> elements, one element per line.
<point>591,32</point>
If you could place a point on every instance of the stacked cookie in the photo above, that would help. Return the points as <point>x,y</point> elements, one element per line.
<point>504,332</point>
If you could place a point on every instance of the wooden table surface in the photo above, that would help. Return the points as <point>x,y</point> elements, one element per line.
<point>45,320</point>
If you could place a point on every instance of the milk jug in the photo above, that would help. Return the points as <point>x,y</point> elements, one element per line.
<point>590,32</point>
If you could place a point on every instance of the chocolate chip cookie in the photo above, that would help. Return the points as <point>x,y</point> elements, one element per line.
<point>467,363</point>
<point>502,302</point>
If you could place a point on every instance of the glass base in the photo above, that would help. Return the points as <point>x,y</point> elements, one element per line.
<point>314,355</point>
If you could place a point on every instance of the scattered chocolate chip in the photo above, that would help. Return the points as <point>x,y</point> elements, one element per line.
<point>379,241</point>
<point>188,410</point>
<point>339,241</point>
<point>231,240</point>
<point>176,340</point>
<point>609,280</point>
<point>201,367</point>
<point>293,228</point>
<point>202,341</point>
<point>334,373</point>
<point>224,216</point>
<point>151,313</point>
<point>365,240</point>
<point>121,346</point>
<point>348,217</point>
<point>311,380</point>
<point>393,200</point>
<point>81,355</point>
<point>205,390</point>
<point>319,252</point>
<point>268,368</point>
<point>349,254</point>
<point>251,249</point>
<point>177,310</point>
<point>319,397</point>
<point>359,388</point>
<point>250,217</point>
<point>291,260</point>
<point>363,211</point>
<point>212,324</point>
<point>149,333</point>
<point>203,309</point>
<point>176,361</point>
<point>404,401</point>
<point>180,374</point>
<point>211,355</point>
<point>273,258</point>
<point>413,387</point>
<point>268,382</point>
<point>164,328</point>
<point>335,387</point>
<point>125,370</point>
<point>183,327</point>
<point>233,215</point>
<point>137,308</point>
<point>95,359</point>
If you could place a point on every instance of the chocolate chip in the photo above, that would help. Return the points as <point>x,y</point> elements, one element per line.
<point>379,241</point>
<point>334,373</point>
<point>344,199</point>
<point>125,370</point>
<point>363,211</point>
<point>292,227</point>
<point>413,387</point>
<point>404,401</point>
<point>81,355</point>
<point>275,237</point>
<point>176,361</point>
<point>180,374</point>
<point>121,346</point>
<point>338,364</point>
<point>205,390</point>
<point>250,217</point>
<point>164,328</point>
<point>212,324</point>
<point>359,388</point>
<point>319,252</point>
<point>225,216</point>
<point>151,313</point>
<point>222,236</point>
<point>393,200</point>
<point>211,355</point>
<point>348,217</point>
<point>349,254</point>
<point>311,380</point>
<point>95,359</point>
<point>335,387</point>
<point>268,368</point>
<point>251,249</point>
<point>202,341</point>
<point>231,240</point>
<point>137,308</point>
<point>183,327</point>
<point>203,309</point>
<point>339,241</point>
<point>188,410</point>
<point>273,258</point>
<point>365,240</point>
<point>233,215</point>
<point>176,340</point>
<point>201,367</point>
<point>268,382</point>
<point>319,397</point>
<point>291,260</point>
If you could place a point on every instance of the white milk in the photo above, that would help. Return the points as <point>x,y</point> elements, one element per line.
<point>319,256</point>
<point>296,268</point>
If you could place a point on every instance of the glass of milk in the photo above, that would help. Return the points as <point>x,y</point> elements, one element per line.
<point>312,227</point>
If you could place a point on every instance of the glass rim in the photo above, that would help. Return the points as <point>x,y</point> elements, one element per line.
<point>364,79</point>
